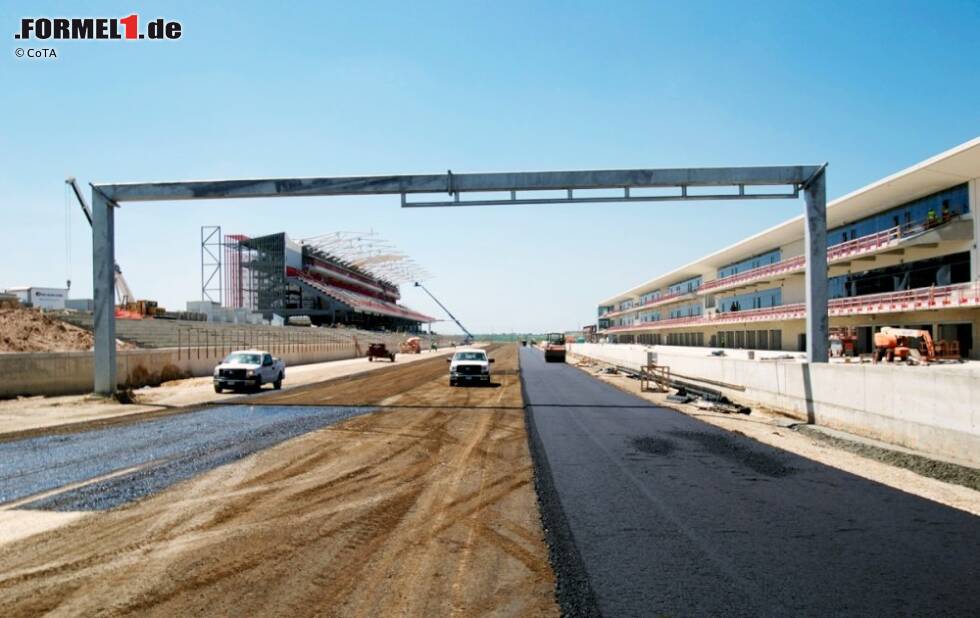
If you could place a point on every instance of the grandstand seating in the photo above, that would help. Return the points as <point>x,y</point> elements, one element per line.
<point>161,333</point>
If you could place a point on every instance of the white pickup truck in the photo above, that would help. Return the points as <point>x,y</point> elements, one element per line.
<point>469,365</point>
<point>249,369</point>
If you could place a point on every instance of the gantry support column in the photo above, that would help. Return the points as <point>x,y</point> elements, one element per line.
<point>973,196</point>
<point>103,282</point>
<point>815,239</point>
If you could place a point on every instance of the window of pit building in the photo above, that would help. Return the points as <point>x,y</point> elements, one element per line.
<point>756,261</point>
<point>686,311</point>
<point>772,297</point>
<point>687,285</point>
<point>649,297</point>
<point>650,316</point>
<point>604,309</point>
<point>911,216</point>
<point>944,270</point>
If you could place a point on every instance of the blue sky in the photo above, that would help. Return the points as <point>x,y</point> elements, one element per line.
<point>336,88</point>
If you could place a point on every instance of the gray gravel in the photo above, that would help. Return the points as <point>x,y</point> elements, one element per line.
<point>940,470</point>
<point>177,448</point>
<point>662,514</point>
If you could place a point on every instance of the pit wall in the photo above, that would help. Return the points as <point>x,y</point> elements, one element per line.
<point>934,410</point>
<point>72,373</point>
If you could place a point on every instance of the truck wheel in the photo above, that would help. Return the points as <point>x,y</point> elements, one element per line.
<point>370,359</point>
<point>217,388</point>
<point>278,383</point>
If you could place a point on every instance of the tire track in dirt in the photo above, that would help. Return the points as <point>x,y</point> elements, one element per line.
<point>420,510</point>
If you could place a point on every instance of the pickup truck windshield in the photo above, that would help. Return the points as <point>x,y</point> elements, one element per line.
<point>471,356</point>
<point>244,359</point>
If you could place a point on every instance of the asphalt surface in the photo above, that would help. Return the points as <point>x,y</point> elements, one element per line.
<point>651,512</point>
<point>142,458</point>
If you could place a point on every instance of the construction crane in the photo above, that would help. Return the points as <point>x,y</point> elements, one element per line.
<point>469,336</point>
<point>124,295</point>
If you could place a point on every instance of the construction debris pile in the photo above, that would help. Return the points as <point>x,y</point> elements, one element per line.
<point>30,330</point>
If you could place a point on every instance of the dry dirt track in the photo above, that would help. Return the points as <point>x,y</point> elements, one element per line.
<point>406,511</point>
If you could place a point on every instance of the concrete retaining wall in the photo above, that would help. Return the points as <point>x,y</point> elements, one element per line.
<point>931,409</point>
<point>71,373</point>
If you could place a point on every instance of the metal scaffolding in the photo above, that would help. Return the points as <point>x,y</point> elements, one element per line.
<point>211,262</point>
<point>534,188</point>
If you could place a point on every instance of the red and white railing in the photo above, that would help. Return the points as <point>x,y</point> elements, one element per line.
<point>920,299</point>
<point>663,300</point>
<point>835,253</point>
<point>762,272</point>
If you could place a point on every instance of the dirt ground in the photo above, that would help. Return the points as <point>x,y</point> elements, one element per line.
<point>426,509</point>
<point>771,429</point>
<point>28,330</point>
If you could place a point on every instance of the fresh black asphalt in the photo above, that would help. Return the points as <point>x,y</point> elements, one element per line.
<point>165,451</point>
<point>651,512</point>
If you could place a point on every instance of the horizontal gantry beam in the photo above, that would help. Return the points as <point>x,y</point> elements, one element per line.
<point>794,176</point>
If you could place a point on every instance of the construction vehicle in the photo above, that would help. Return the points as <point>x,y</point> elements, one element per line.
<point>908,345</point>
<point>379,351</point>
<point>843,342</point>
<point>554,348</point>
<point>412,345</point>
<point>468,339</point>
<point>126,304</point>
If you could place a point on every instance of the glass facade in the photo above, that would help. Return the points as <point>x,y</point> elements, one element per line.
<point>953,201</point>
<point>649,316</point>
<point>685,311</point>
<point>750,300</point>
<point>770,257</point>
<point>688,285</point>
<point>649,297</point>
<point>945,270</point>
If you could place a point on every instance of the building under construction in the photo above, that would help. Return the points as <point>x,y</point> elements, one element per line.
<point>323,278</point>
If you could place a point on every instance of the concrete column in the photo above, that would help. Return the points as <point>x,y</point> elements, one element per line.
<point>815,249</point>
<point>973,192</point>
<point>104,284</point>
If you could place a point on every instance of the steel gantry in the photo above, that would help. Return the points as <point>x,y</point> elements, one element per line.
<point>631,185</point>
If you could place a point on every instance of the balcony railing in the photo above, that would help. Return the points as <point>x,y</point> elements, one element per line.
<point>666,298</point>
<point>835,253</point>
<point>919,299</point>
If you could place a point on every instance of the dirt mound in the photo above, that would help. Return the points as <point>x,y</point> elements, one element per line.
<point>29,330</point>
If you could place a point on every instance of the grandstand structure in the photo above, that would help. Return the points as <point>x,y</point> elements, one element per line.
<point>342,278</point>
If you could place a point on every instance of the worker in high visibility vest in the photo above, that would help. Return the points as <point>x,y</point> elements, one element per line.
<point>931,218</point>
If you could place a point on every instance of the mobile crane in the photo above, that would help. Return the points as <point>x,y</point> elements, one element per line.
<point>124,295</point>
<point>469,336</point>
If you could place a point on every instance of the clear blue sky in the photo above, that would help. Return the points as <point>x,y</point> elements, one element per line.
<point>333,88</point>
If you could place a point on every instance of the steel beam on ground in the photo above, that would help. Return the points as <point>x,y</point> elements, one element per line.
<point>809,178</point>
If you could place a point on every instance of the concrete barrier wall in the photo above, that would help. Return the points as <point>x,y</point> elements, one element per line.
<point>71,373</point>
<point>931,409</point>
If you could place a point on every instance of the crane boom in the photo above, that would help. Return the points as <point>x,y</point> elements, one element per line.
<point>469,335</point>
<point>124,295</point>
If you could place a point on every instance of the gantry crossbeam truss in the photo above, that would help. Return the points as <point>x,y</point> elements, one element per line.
<point>637,185</point>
